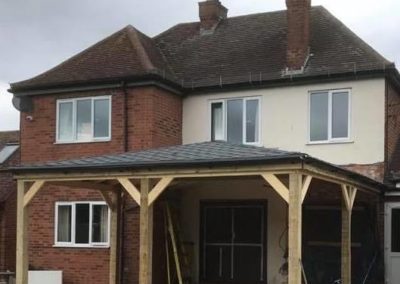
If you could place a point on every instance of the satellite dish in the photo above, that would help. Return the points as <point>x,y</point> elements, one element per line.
<point>23,104</point>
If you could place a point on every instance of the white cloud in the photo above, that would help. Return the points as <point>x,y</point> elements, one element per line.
<point>9,116</point>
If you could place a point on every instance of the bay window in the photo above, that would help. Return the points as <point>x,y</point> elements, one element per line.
<point>84,119</point>
<point>236,120</point>
<point>82,224</point>
<point>329,116</point>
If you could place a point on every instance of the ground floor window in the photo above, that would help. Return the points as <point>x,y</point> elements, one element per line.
<point>82,224</point>
<point>233,246</point>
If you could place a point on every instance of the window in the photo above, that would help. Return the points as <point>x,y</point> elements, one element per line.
<point>84,119</point>
<point>329,116</point>
<point>236,120</point>
<point>82,224</point>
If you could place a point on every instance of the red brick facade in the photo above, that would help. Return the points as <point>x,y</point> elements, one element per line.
<point>392,129</point>
<point>142,118</point>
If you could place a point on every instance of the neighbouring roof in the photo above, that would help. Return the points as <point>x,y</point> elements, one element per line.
<point>9,141</point>
<point>205,154</point>
<point>244,49</point>
<point>7,151</point>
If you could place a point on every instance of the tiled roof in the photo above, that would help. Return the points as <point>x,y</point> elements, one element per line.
<point>126,53</point>
<point>197,153</point>
<point>242,49</point>
<point>205,154</point>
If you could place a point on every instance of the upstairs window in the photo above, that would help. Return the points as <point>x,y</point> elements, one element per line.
<point>330,116</point>
<point>84,119</point>
<point>236,120</point>
<point>82,224</point>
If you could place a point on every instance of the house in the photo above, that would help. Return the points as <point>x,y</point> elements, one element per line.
<point>250,149</point>
<point>9,156</point>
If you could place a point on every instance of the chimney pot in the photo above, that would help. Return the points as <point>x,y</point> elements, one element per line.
<point>298,34</point>
<point>211,12</point>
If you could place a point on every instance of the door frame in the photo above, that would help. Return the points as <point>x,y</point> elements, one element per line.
<point>233,203</point>
<point>388,237</point>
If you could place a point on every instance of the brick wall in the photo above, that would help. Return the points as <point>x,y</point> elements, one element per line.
<point>154,119</point>
<point>392,129</point>
<point>375,171</point>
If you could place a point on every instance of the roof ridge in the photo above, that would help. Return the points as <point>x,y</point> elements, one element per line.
<point>133,35</point>
<point>71,58</point>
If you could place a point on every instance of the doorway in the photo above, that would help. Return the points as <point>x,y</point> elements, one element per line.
<point>233,242</point>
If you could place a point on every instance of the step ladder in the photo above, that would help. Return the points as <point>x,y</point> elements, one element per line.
<point>178,252</point>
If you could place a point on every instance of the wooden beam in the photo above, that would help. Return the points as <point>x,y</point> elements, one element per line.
<point>22,236</point>
<point>277,185</point>
<point>305,187</point>
<point>159,188</point>
<point>146,234</point>
<point>109,200</point>
<point>156,174</point>
<point>33,190</point>
<point>93,185</point>
<point>295,228</point>
<point>131,189</point>
<point>115,199</point>
<point>349,195</point>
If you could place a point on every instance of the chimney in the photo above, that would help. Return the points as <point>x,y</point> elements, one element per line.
<point>211,12</point>
<point>298,35</point>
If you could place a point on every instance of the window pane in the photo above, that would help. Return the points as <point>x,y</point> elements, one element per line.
<point>218,225</point>
<point>319,116</point>
<point>396,230</point>
<point>65,121</point>
<point>64,223</point>
<point>100,224</point>
<point>248,224</point>
<point>235,121</point>
<point>340,115</point>
<point>217,129</point>
<point>252,126</point>
<point>82,224</point>
<point>84,120</point>
<point>101,118</point>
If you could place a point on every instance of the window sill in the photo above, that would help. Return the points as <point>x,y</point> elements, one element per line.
<point>330,142</point>
<point>81,246</point>
<point>82,142</point>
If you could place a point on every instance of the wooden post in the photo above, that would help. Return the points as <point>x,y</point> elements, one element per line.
<point>146,234</point>
<point>349,195</point>
<point>22,238</point>
<point>295,223</point>
<point>114,209</point>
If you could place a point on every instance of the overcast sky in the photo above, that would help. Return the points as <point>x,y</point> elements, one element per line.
<point>38,34</point>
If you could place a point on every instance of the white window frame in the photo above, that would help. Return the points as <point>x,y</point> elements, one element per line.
<point>224,118</point>
<point>73,220</point>
<point>330,139</point>
<point>74,120</point>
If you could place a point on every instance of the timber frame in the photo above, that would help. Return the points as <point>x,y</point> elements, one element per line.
<point>146,185</point>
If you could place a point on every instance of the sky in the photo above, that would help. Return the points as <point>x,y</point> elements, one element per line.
<point>36,35</point>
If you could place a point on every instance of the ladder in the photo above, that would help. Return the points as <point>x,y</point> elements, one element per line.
<point>180,252</point>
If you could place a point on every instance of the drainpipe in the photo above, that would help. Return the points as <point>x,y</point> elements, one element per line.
<point>122,209</point>
<point>126,116</point>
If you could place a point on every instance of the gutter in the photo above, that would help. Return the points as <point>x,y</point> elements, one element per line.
<point>182,89</point>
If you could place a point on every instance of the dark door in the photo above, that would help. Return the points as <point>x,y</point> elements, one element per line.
<point>233,242</point>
